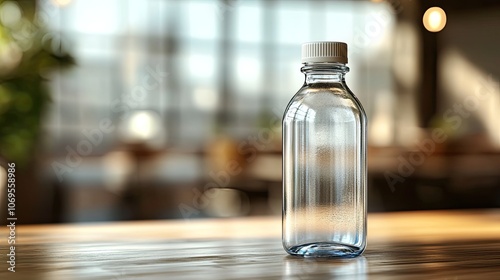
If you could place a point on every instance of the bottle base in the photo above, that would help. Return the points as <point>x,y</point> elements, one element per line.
<point>325,250</point>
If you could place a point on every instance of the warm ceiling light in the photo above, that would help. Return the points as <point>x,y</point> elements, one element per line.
<point>434,19</point>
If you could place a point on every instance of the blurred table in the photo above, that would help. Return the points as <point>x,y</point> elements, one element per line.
<point>409,245</point>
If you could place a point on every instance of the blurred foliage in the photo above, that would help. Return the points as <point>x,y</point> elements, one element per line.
<point>28,53</point>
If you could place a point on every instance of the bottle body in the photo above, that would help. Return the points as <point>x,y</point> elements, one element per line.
<point>324,167</point>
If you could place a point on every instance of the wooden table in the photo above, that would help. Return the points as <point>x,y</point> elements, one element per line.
<point>405,245</point>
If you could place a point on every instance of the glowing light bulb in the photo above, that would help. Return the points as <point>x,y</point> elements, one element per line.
<point>141,125</point>
<point>434,19</point>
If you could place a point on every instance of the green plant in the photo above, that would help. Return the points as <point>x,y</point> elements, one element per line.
<point>28,53</point>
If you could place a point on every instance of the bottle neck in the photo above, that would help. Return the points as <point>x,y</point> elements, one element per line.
<point>324,72</point>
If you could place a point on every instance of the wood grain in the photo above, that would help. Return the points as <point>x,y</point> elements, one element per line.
<point>408,245</point>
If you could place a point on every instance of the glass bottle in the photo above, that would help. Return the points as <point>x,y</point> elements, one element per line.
<point>324,160</point>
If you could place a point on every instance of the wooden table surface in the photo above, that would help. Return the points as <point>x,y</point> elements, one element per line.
<point>405,245</point>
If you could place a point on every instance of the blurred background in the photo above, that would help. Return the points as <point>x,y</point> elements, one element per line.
<point>170,109</point>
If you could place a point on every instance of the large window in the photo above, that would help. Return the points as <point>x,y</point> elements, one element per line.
<point>227,62</point>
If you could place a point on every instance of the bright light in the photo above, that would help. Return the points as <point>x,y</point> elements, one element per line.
<point>247,74</point>
<point>434,19</point>
<point>142,126</point>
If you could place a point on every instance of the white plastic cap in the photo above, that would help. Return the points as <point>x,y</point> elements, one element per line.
<point>324,52</point>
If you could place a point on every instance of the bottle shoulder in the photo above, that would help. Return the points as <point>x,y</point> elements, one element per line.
<point>325,99</point>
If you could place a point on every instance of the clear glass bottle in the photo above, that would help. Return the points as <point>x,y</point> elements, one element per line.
<point>324,160</point>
